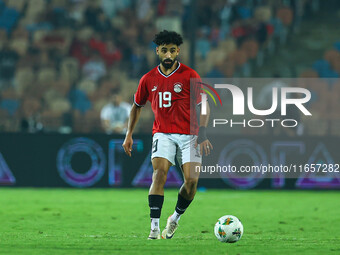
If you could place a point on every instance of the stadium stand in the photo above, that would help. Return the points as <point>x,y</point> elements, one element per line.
<point>67,55</point>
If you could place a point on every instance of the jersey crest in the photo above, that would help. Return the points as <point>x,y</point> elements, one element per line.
<point>178,87</point>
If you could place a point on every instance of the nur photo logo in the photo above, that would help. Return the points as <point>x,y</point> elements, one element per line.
<point>281,98</point>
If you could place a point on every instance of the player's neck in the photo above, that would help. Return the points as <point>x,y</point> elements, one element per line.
<point>170,70</point>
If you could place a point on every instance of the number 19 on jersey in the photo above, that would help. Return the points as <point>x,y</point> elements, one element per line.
<point>164,99</point>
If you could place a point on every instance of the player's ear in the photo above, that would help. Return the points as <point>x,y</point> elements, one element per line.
<point>178,50</point>
<point>157,50</point>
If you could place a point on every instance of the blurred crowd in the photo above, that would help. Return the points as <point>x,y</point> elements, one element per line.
<point>73,65</point>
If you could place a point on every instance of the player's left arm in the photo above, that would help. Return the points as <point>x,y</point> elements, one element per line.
<point>202,139</point>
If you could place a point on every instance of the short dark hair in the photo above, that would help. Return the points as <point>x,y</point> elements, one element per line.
<point>168,37</point>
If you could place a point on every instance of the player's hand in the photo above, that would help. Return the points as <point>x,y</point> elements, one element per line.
<point>203,141</point>
<point>127,145</point>
<point>206,146</point>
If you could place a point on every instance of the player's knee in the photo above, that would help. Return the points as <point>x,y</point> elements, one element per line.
<point>191,183</point>
<point>159,176</point>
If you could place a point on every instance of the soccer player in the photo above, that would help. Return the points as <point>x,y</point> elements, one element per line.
<point>168,87</point>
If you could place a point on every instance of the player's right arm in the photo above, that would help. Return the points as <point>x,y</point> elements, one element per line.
<point>140,99</point>
<point>133,119</point>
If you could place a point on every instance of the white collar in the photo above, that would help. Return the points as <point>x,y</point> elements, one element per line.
<point>166,76</point>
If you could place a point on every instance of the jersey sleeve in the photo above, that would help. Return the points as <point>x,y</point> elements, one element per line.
<point>142,93</point>
<point>197,87</point>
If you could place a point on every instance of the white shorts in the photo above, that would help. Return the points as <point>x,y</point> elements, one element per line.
<point>180,146</point>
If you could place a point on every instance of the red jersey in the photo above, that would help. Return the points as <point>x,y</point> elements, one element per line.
<point>170,99</point>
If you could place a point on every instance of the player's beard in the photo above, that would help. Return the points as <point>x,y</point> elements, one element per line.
<point>168,63</point>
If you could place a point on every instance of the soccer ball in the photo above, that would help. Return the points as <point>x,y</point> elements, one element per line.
<point>228,229</point>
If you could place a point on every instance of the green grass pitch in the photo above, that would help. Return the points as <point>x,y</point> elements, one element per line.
<point>109,221</point>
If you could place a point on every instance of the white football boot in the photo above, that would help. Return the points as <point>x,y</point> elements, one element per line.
<point>170,229</point>
<point>155,234</point>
